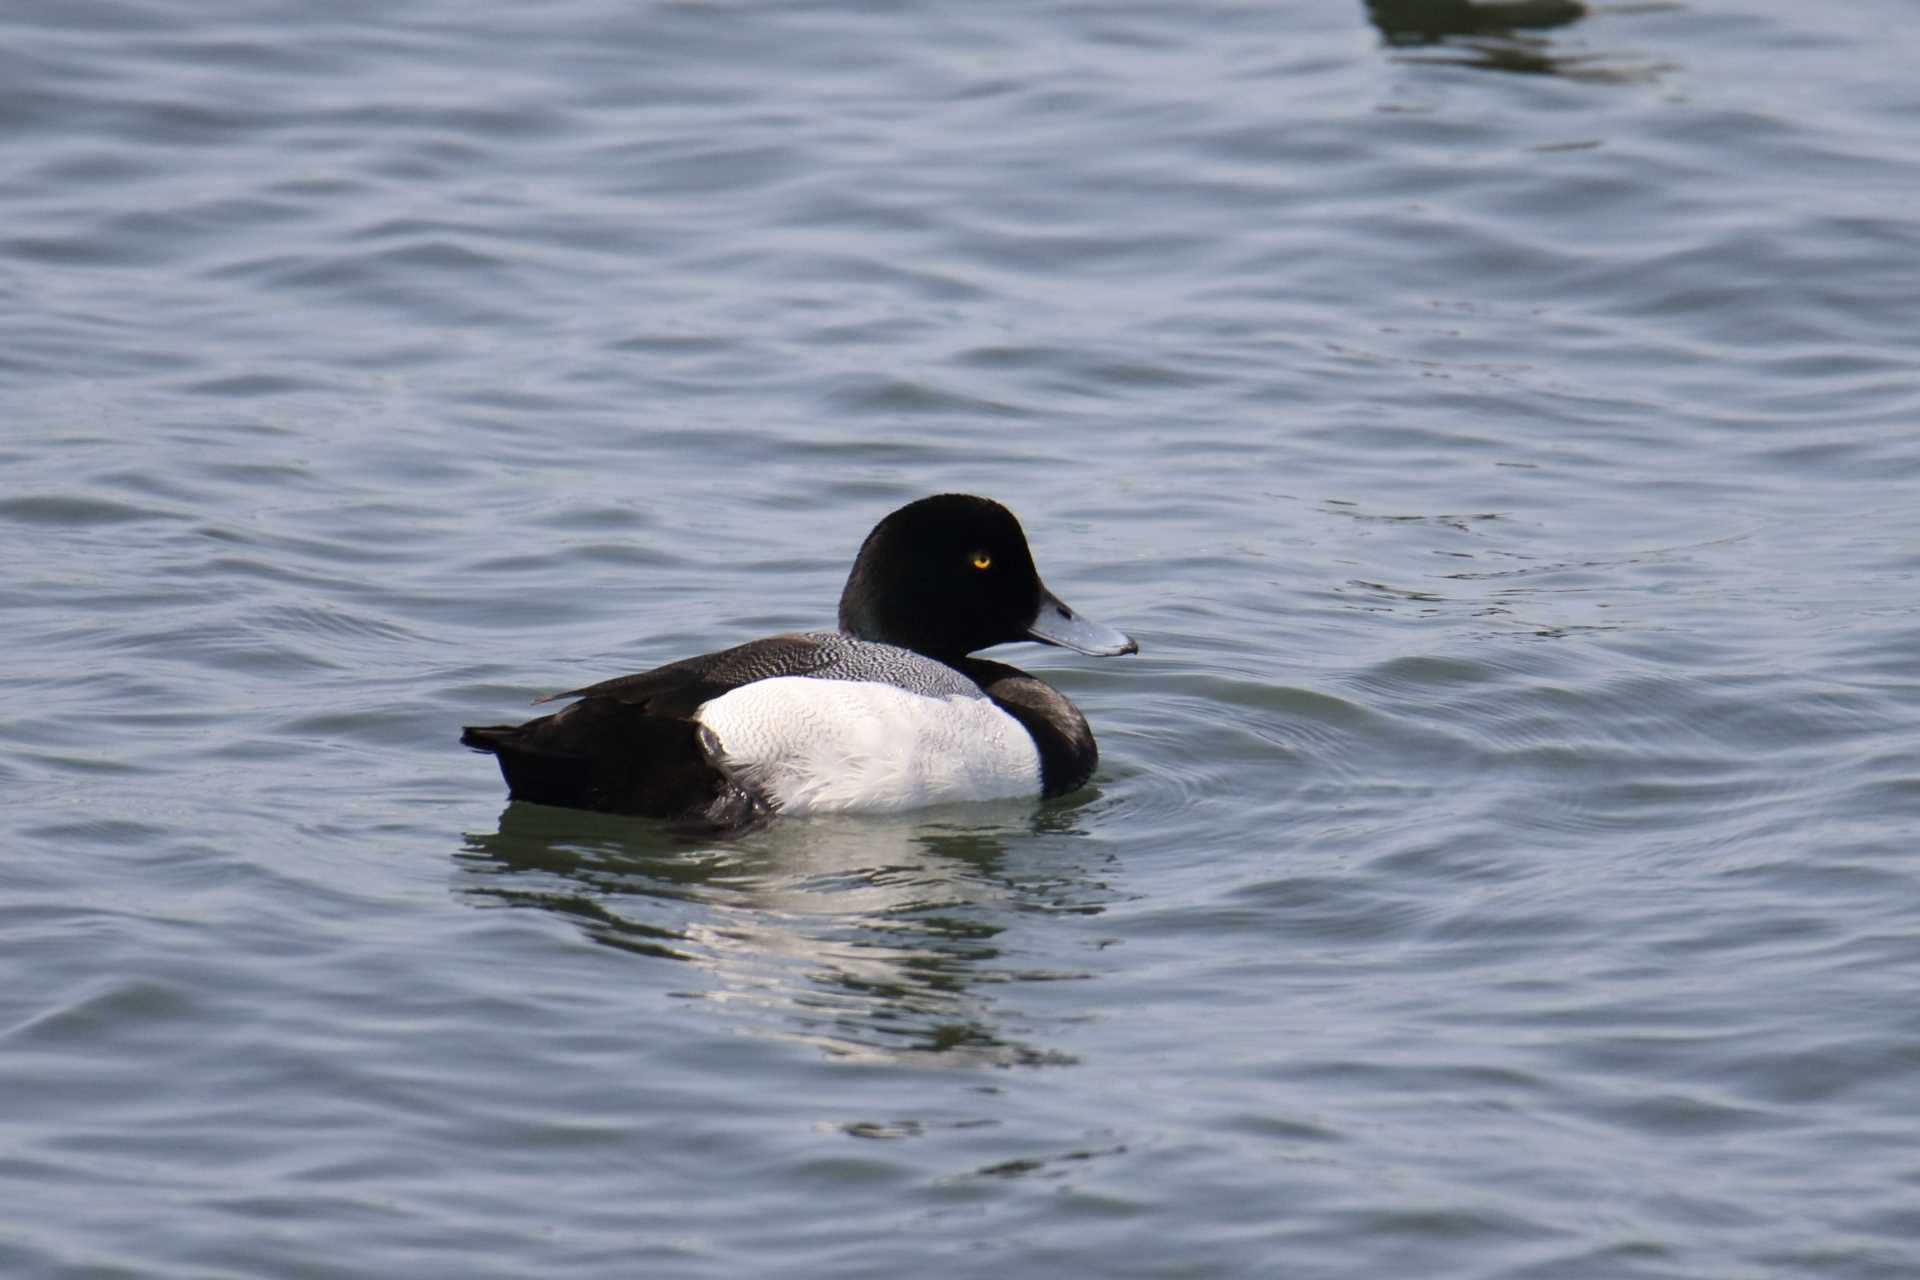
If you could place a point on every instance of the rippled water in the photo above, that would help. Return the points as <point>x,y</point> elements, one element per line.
<point>1501,442</point>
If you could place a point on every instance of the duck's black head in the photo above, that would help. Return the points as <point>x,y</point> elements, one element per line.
<point>951,574</point>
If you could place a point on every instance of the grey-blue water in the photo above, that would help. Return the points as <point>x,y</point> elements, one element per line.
<point>1505,447</point>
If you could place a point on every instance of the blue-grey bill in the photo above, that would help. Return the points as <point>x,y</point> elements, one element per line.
<point>1057,624</point>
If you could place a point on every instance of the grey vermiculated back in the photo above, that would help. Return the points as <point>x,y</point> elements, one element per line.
<point>818,655</point>
<point>847,658</point>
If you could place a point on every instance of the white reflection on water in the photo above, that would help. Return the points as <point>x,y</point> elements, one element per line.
<point>872,938</point>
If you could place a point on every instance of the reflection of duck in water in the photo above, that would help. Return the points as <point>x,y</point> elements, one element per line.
<point>1495,35</point>
<point>888,713</point>
<point>891,937</point>
<point>1425,21</point>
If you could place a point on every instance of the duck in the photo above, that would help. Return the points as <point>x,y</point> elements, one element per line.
<point>888,713</point>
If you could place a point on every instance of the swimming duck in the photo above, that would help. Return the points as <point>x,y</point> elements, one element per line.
<point>888,713</point>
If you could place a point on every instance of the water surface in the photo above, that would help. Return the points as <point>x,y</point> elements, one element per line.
<point>1500,441</point>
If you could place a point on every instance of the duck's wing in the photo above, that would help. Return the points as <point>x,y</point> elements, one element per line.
<point>677,689</point>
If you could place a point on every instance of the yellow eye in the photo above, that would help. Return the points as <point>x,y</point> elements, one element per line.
<point>981,560</point>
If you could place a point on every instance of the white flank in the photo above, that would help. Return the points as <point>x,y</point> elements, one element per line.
<point>835,746</point>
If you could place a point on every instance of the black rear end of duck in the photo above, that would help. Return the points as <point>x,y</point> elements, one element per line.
<point>612,757</point>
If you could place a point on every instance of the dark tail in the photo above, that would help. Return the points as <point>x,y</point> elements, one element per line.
<point>487,737</point>
<point>603,754</point>
<point>534,770</point>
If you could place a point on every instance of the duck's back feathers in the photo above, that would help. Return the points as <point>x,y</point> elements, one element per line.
<point>679,688</point>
